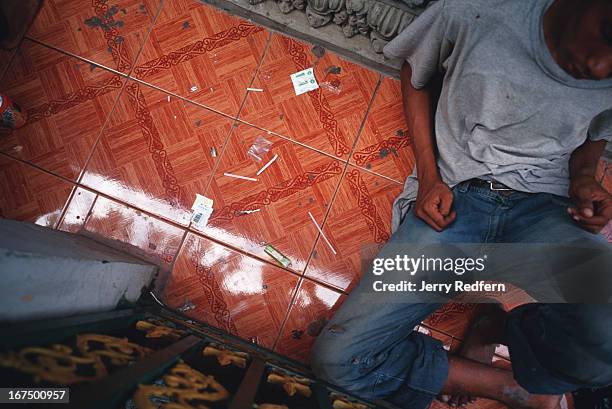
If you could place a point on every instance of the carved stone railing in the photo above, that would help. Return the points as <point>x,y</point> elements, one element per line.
<point>379,20</point>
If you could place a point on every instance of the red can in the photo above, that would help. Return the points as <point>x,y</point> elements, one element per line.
<point>11,114</point>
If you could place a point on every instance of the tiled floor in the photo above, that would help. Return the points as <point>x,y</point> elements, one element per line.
<point>136,106</point>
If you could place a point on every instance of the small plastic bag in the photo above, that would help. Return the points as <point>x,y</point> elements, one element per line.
<point>332,86</point>
<point>260,147</point>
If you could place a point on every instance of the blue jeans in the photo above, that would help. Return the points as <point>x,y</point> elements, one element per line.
<point>374,352</point>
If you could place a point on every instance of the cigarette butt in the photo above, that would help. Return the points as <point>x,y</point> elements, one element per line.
<point>260,171</point>
<point>255,89</point>
<point>168,98</point>
<point>193,89</point>
<point>231,175</point>
<point>322,234</point>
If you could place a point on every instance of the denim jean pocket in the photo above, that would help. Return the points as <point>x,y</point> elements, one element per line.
<point>561,200</point>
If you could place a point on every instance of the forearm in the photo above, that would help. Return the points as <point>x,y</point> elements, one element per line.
<point>583,161</point>
<point>419,110</point>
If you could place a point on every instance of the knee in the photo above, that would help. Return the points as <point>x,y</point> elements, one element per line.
<point>325,356</point>
<point>331,361</point>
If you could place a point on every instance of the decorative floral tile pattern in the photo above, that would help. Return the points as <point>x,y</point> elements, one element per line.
<point>328,118</point>
<point>384,143</point>
<point>301,180</point>
<point>67,102</point>
<point>202,54</point>
<point>107,32</point>
<point>234,292</point>
<point>155,152</point>
<point>151,153</point>
<point>358,224</point>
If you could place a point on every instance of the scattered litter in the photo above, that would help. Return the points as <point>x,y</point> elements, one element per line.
<point>255,156</point>
<point>304,81</point>
<point>254,340</point>
<point>241,212</point>
<point>18,148</point>
<point>174,116</point>
<point>318,51</point>
<point>193,89</point>
<point>187,306</point>
<point>202,209</point>
<point>213,152</point>
<point>156,299</point>
<point>277,255</point>
<point>231,175</point>
<point>168,98</point>
<point>260,171</point>
<point>333,87</point>
<point>255,89</point>
<point>322,234</point>
<point>333,69</point>
<point>260,147</point>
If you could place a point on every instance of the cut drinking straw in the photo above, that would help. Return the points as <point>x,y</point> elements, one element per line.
<point>240,177</point>
<point>322,234</point>
<point>255,89</point>
<point>267,164</point>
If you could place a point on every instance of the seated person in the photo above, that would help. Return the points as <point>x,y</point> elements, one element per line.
<point>509,103</point>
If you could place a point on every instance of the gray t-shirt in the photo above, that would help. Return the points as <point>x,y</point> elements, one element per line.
<point>507,111</point>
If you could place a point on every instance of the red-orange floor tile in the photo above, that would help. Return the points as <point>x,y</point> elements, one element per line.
<point>117,225</point>
<point>203,54</point>
<point>324,119</point>
<point>67,102</point>
<point>31,195</point>
<point>77,210</point>
<point>155,152</point>
<point>384,143</point>
<point>359,222</point>
<point>5,58</point>
<point>108,33</point>
<point>231,291</point>
<point>314,305</point>
<point>299,181</point>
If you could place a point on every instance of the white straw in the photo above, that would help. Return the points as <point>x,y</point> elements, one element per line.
<point>255,89</point>
<point>259,172</point>
<point>322,234</point>
<point>240,177</point>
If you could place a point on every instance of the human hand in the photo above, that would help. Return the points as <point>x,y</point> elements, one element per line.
<point>433,204</point>
<point>593,204</point>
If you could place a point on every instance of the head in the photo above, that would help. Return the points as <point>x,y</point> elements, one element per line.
<point>583,43</point>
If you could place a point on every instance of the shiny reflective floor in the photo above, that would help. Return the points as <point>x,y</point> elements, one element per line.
<point>136,106</point>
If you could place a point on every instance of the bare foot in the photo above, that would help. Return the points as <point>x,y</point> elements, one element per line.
<point>478,345</point>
